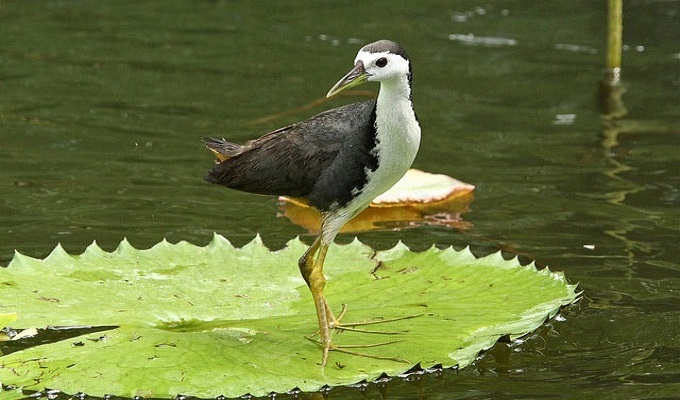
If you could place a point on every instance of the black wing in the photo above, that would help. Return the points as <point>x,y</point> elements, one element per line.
<point>321,159</point>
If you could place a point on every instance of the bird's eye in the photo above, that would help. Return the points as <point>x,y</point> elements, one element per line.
<point>381,62</point>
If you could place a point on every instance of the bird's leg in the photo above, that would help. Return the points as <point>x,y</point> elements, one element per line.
<point>311,267</point>
<point>317,284</point>
<point>306,262</point>
<point>335,321</point>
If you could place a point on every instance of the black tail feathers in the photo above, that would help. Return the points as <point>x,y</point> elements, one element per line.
<point>221,148</point>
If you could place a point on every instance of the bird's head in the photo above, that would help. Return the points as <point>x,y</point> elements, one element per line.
<point>376,62</point>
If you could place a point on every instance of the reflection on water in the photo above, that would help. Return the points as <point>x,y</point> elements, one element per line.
<point>102,105</point>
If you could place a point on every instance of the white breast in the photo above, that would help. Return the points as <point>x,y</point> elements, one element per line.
<point>398,139</point>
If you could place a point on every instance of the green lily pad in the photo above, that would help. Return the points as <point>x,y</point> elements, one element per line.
<point>6,319</point>
<point>220,320</point>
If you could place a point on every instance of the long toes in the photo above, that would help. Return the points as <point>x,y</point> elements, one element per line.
<point>350,328</point>
<point>353,326</point>
<point>344,348</point>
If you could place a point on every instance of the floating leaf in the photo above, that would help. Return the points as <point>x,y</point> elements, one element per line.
<point>6,319</point>
<point>220,320</point>
<point>423,189</point>
<point>417,198</point>
<point>11,394</point>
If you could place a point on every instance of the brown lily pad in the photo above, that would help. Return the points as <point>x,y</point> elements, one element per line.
<point>418,198</point>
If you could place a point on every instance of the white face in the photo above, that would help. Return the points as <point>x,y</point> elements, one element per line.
<point>383,66</point>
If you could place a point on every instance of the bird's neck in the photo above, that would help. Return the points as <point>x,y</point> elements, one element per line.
<point>395,91</point>
<point>395,112</point>
<point>397,133</point>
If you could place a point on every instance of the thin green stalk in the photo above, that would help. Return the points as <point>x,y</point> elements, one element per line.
<point>614,34</point>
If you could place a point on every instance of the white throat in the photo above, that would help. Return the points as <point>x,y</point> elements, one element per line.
<point>398,131</point>
<point>397,142</point>
<point>397,139</point>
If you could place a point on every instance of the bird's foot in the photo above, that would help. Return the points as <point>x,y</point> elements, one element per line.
<point>328,347</point>
<point>335,323</point>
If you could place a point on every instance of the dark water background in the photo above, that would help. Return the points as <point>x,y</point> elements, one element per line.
<point>102,104</point>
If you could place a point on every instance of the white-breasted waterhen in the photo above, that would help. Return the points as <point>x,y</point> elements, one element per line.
<point>337,161</point>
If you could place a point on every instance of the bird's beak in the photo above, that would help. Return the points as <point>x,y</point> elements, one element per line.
<point>355,77</point>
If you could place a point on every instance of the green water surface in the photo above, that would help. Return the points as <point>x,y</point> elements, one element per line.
<point>102,104</point>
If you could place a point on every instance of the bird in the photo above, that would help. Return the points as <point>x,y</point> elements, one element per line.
<point>337,161</point>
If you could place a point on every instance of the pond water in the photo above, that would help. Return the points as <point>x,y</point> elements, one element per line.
<point>102,105</point>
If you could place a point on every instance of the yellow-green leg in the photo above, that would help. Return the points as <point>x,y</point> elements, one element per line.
<point>311,267</point>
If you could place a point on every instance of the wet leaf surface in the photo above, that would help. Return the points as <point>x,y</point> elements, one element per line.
<point>220,320</point>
